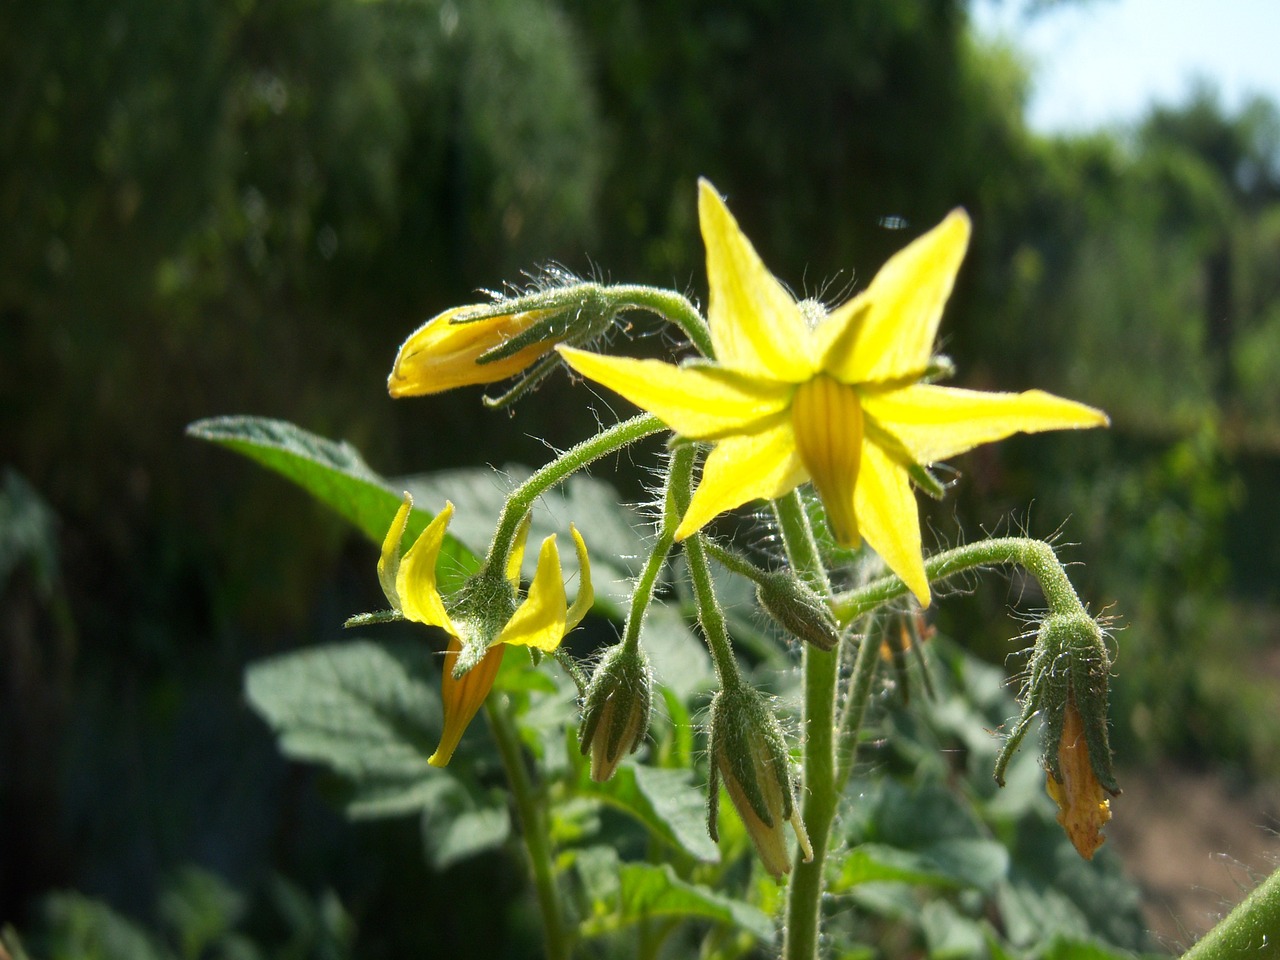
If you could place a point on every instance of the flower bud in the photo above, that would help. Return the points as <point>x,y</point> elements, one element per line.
<point>797,608</point>
<point>615,711</point>
<point>484,343</point>
<point>1067,684</point>
<point>749,752</point>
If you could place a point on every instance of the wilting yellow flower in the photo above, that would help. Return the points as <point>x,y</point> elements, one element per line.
<point>797,394</point>
<point>443,354</point>
<point>479,615</point>
<point>1083,807</point>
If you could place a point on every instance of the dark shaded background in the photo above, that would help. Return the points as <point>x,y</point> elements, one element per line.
<point>243,207</point>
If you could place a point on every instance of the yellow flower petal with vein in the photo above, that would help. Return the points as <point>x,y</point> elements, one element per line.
<point>740,469</point>
<point>416,579</point>
<point>827,419</point>
<point>756,326</point>
<point>889,518</point>
<point>699,402</point>
<point>539,621</point>
<point>937,422</point>
<point>907,297</point>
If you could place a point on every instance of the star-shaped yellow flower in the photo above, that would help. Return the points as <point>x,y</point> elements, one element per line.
<point>797,394</point>
<point>479,616</point>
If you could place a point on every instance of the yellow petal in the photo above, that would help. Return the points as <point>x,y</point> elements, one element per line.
<point>936,422</point>
<point>756,326</point>
<point>389,562</point>
<point>586,594</point>
<point>441,355</point>
<point>516,557</point>
<point>745,468</point>
<point>907,297</point>
<point>463,697</point>
<point>420,598</point>
<point>827,419</point>
<point>700,402</point>
<point>540,620</point>
<point>890,519</point>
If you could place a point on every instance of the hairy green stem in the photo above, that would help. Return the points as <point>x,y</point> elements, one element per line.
<point>820,795</point>
<point>710,615</point>
<point>855,708</point>
<point>680,492</point>
<point>679,477</point>
<point>1035,556</point>
<point>557,471</point>
<point>1249,932</point>
<point>530,809</point>
<point>670,306</point>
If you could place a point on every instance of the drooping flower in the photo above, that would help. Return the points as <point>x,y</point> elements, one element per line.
<point>797,394</point>
<point>484,618</point>
<point>1083,805</point>
<point>1067,684</point>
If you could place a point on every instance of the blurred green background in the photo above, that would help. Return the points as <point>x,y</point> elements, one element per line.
<point>243,206</point>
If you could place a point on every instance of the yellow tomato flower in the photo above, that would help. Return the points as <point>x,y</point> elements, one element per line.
<point>479,615</point>
<point>796,394</point>
<point>443,353</point>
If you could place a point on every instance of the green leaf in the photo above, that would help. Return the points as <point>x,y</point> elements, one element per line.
<point>334,474</point>
<point>455,826</point>
<point>369,711</point>
<point>646,891</point>
<point>81,927</point>
<point>662,801</point>
<point>201,909</point>
<point>951,863</point>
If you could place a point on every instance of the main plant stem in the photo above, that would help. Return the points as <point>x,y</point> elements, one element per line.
<point>530,809</point>
<point>820,795</point>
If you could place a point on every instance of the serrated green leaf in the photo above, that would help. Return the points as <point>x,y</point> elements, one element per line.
<point>663,801</point>
<point>948,864</point>
<point>455,826</point>
<point>334,473</point>
<point>648,890</point>
<point>369,711</point>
